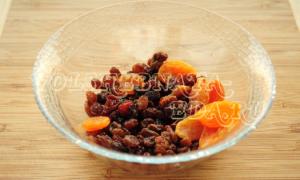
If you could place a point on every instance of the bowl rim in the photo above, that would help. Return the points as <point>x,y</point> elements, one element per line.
<point>193,155</point>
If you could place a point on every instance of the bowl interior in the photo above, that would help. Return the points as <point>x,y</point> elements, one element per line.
<point>124,34</point>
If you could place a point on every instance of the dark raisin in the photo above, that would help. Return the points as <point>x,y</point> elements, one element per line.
<point>153,95</point>
<point>140,150</point>
<point>173,125</point>
<point>115,71</point>
<point>96,109</point>
<point>146,122</point>
<point>104,140</point>
<point>101,97</point>
<point>147,132</point>
<point>131,123</point>
<point>179,109</point>
<point>114,116</point>
<point>119,132</point>
<point>118,146</point>
<point>195,145</point>
<point>170,152</point>
<point>173,147</point>
<point>91,97</point>
<point>173,135</point>
<point>117,138</point>
<point>149,141</point>
<point>182,149</point>
<point>96,83</point>
<point>155,127</point>
<point>152,112</point>
<point>131,141</point>
<point>160,56</point>
<point>139,68</point>
<point>154,67</point>
<point>142,103</point>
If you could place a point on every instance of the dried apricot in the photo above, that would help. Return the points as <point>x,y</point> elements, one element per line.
<point>211,136</point>
<point>216,91</point>
<point>218,114</point>
<point>175,68</point>
<point>96,123</point>
<point>189,128</point>
<point>200,91</point>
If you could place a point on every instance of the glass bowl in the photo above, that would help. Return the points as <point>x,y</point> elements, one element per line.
<point>123,34</point>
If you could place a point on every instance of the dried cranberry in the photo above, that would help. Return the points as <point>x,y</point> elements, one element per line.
<point>160,56</point>
<point>96,109</point>
<point>96,83</point>
<point>131,141</point>
<point>131,123</point>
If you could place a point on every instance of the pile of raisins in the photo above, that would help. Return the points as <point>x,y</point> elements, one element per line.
<point>142,122</point>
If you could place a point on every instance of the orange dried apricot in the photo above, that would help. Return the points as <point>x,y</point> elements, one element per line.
<point>216,91</point>
<point>189,128</point>
<point>200,91</point>
<point>96,123</point>
<point>175,68</point>
<point>218,114</point>
<point>211,136</point>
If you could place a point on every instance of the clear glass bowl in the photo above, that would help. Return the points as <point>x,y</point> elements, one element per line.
<point>126,33</point>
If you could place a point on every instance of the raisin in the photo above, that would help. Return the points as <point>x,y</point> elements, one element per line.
<point>154,67</point>
<point>114,116</point>
<point>96,109</point>
<point>146,122</point>
<point>142,103</point>
<point>193,107</point>
<point>147,132</point>
<point>182,149</point>
<point>119,132</point>
<point>117,138</point>
<point>170,152</point>
<point>195,145</point>
<point>124,108</point>
<point>166,100</point>
<point>153,95</point>
<point>139,68</point>
<point>161,145</point>
<point>173,135</point>
<point>118,146</point>
<point>149,141</point>
<point>160,56</point>
<point>166,135</point>
<point>115,72</point>
<point>155,127</point>
<point>104,140</point>
<point>173,147</point>
<point>108,81</point>
<point>101,97</point>
<point>91,97</point>
<point>152,113</point>
<point>131,141</point>
<point>131,123</point>
<point>96,83</point>
<point>87,108</point>
<point>181,90</point>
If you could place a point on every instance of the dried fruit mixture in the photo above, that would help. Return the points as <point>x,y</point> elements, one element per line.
<point>158,108</point>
